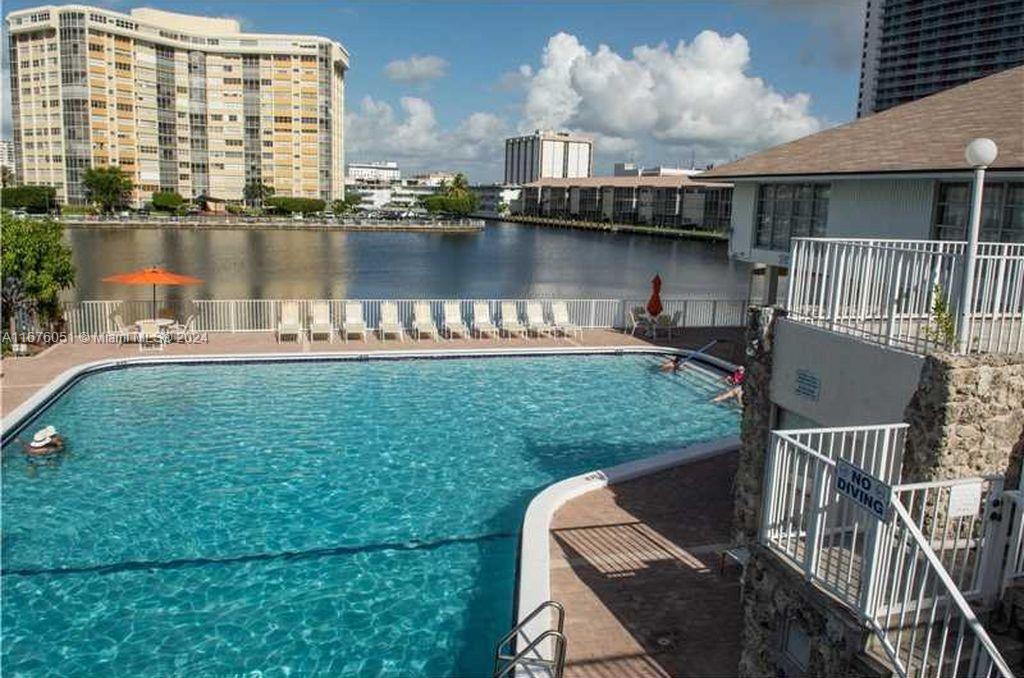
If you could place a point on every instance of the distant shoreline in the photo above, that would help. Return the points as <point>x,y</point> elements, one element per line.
<point>215,224</point>
<point>681,233</point>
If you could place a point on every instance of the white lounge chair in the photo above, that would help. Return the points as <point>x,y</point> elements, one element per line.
<point>422,322</point>
<point>123,333</point>
<point>354,323</point>
<point>289,325</point>
<point>453,325</point>
<point>639,321</point>
<point>389,322</point>
<point>561,322</point>
<point>320,322</point>
<point>482,324</point>
<point>179,331</point>
<point>510,324</point>
<point>150,336</point>
<point>535,322</point>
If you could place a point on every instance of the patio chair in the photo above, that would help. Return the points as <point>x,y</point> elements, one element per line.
<point>389,322</point>
<point>561,322</point>
<point>289,325</point>
<point>320,322</point>
<point>179,331</point>
<point>510,323</point>
<point>150,336</point>
<point>422,321</point>
<point>667,324</point>
<point>354,323</point>
<point>535,322</point>
<point>482,324</point>
<point>123,333</point>
<point>639,320</point>
<point>453,325</point>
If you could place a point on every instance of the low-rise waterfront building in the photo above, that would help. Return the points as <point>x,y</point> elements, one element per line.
<point>181,103</point>
<point>665,201</point>
<point>372,171</point>
<point>548,155</point>
<point>896,174</point>
<point>401,194</point>
<point>494,200</point>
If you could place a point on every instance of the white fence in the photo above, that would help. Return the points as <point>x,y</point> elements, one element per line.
<point>892,292</point>
<point>262,315</point>
<point>908,578</point>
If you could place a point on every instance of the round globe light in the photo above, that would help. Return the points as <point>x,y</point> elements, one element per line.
<point>981,152</point>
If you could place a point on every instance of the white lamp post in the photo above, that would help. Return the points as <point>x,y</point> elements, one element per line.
<point>980,153</point>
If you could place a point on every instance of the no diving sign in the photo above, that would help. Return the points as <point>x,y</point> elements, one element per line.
<point>868,492</point>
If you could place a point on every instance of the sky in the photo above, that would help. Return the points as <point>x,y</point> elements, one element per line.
<point>439,85</point>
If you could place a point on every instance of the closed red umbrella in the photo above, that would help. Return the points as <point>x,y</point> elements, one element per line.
<point>152,276</point>
<point>654,306</point>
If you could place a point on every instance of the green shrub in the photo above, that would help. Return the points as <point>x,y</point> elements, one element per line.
<point>456,205</point>
<point>34,199</point>
<point>34,252</point>
<point>73,210</point>
<point>288,205</point>
<point>167,201</point>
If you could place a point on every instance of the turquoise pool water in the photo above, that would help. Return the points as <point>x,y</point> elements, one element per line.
<point>308,518</point>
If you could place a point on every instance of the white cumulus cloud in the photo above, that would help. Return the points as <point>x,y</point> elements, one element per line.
<point>664,100</point>
<point>412,135</point>
<point>416,69</point>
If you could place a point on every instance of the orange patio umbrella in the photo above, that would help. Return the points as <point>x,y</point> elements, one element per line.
<point>654,307</point>
<point>152,276</point>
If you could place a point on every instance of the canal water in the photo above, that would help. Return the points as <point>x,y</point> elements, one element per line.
<point>504,260</point>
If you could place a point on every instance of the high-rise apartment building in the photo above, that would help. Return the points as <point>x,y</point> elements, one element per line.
<point>548,155</point>
<point>181,103</point>
<point>913,48</point>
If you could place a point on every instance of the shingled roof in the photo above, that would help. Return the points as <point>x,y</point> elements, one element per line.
<point>926,135</point>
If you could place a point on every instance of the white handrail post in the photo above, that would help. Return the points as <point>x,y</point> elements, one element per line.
<point>870,569</point>
<point>994,538</point>
<point>814,529</point>
<point>232,313</point>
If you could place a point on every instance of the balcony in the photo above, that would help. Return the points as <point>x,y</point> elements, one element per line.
<point>908,294</point>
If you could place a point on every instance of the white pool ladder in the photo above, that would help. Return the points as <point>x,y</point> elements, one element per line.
<point>532,659</point>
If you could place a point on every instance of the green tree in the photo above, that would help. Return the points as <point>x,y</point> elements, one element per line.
<point>6,176</point>
<point>34,253</point>
<point>167,201</point>
<point>457,188</point>
<point>108,187</point>
<point>256,192</point>
<point>34,199</point>
<point>458,206</point>
<point>292,205</point>
<point>349,204</point>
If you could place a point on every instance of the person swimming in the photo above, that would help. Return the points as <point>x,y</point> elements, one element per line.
<point>672,364</point>
<point>45,442</point>
<point>735,388</point>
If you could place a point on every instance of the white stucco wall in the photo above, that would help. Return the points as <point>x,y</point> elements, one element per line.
<point>861,208</point>
<point>859,383</point>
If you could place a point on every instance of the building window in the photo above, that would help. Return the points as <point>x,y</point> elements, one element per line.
<point>787,211</point>
<point>1002,212</point>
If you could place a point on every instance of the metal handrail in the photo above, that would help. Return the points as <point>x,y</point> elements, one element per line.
<point>556,665</point>
<point>559,625</point>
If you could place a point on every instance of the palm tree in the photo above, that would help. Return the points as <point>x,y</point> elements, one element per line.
<point>17,303</point>
<point>458,187</point>
<point>256,192</point>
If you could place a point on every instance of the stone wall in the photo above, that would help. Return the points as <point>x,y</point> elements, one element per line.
<point>756,423</point>
<point>966,418</point>
<point>777,599</point>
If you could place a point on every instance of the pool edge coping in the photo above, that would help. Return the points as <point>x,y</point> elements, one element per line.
<point>534,576</point>
<point>17,417</point>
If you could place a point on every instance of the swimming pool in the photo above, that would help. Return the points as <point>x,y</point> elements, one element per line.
<point>308,517</point>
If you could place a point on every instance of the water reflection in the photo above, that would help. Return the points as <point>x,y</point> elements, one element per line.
<point>505,260</point>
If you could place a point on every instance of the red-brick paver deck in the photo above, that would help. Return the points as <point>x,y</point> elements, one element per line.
<point>637,567</point>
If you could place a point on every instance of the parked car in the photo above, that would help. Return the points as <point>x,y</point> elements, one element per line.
<point>297,216</point>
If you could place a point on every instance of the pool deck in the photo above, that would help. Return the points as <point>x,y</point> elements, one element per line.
<point>636,565</point>
<point>21,377</point>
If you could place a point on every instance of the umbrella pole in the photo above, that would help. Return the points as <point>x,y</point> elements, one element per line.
<point>154,301</point>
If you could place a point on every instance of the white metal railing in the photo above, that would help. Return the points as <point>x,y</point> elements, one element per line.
<point>1013,515</point>
<point>912,590</point>
<point>889,292</point>
<point>262,315</point>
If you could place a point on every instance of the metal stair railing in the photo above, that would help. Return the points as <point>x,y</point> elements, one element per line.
<point>536,654</point>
